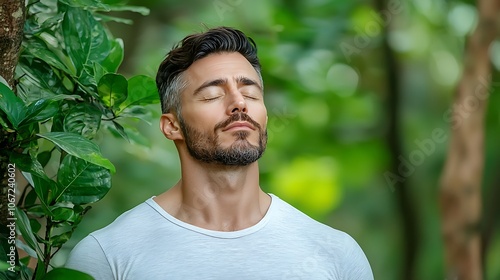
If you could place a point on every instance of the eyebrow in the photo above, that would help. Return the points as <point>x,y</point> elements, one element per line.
<point>222,81</point>
<point>247,82</point>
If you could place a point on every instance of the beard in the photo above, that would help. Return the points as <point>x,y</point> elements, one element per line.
<point>206,147</point>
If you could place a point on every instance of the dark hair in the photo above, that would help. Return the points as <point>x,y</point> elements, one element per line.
<point>169,79</point>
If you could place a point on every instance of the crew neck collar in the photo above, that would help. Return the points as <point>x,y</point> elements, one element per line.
<point>214,233</point>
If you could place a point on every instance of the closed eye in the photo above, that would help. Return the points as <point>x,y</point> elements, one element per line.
<point>210,98</point>
<point>251,92</point>
<point>251,97</point>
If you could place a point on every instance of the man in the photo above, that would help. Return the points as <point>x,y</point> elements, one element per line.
<point>216,222</point>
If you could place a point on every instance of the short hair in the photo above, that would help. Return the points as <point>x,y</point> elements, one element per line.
<point>170,79</point>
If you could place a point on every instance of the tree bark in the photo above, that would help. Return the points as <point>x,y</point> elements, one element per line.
<point>460,193</point>
<point>12,17</point>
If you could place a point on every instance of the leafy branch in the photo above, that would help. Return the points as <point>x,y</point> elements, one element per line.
<point>67,90</point>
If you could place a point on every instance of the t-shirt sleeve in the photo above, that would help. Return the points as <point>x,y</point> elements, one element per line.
<point>356,265</point>
<point>88,257</point>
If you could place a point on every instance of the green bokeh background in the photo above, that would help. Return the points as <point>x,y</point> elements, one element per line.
<point>326,93</point>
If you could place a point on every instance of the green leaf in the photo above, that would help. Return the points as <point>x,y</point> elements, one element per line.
<point>24,227</point>
<point>91,74</point>
<point>29,164</point>
<point>78,146</point>
<point>141,10</point>
<point>141,113</point>
<point>135,136</point>
<point>40,110</point>
<point>86,4</point>
<point>62,213</point>
<point>58,120</point>
<point>81,181</point>
<point>38,48</point>
<point>12,105</point>
<point>26,272</point>
<point>40,81</point>
<point>62,273</point>
<point>37,211</point>
<point>106,18</point>
<point>142,90</point>
<point>4,122</point>
<point>86,42</point>
<point>21,245</point>
<point>56,19</point>
<point>98,71</point>
<point>118,131</point>
<point>4,266</point>
<point>80,210</point>
<point>64,97</point>
<point>27,133</point>
<point>76,29</point>
<point>112,90</point>
<point>44,189</point>
<point>30,198</point>
<point>41,7</point>
<point>41,187</point>
<point>35,225</point>
<point>44,157</point>
<point>83,119</point>
<point>40,269</point>
<point>60,239</point>
<point>115,57</point>
<point>101,45</point>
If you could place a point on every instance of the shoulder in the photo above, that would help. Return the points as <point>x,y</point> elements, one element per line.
<point>89,257</point>
<point>296,222</point>
<point>126,229</point>
<point>130,221</point>
<point>293,218</point>
<point>331,244</point>
<point>101,251</point>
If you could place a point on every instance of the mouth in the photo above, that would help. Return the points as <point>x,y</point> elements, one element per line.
<point>239,126</point>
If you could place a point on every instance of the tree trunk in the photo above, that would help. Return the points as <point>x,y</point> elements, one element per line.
<point>12,17</point>
<point>12,14</point>
<point>403,196</point>
<point>460,194</point>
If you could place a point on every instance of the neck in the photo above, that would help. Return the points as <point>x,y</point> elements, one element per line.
<point>216,197</point>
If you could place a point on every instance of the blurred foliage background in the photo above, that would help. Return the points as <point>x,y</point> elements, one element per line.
<point>325,77</point>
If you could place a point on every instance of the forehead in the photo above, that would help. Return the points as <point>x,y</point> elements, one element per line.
<point>219,65</point>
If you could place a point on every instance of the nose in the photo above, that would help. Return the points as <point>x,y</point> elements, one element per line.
<point>237,104</point>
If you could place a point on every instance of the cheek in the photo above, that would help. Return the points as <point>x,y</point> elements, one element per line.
<point>202,118</point>
<point>261,116</point>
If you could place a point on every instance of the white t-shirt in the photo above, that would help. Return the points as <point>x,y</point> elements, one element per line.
<point>148,243</point>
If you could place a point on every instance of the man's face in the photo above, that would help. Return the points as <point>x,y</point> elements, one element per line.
<point>223,112</point>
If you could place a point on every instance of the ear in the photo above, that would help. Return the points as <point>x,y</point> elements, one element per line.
<point>170,127</point>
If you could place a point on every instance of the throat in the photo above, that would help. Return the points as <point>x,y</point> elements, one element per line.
<point>216,197</point>
<point>224,213</point>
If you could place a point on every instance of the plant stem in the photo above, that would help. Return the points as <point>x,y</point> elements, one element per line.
<point>47,248</point>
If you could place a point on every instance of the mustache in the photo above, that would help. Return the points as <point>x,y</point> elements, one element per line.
<point>237,117</point>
